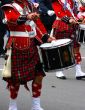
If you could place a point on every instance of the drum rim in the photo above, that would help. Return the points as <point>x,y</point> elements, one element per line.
<point>64,68</point>
<point>81,26</point>
<point>45,48</point>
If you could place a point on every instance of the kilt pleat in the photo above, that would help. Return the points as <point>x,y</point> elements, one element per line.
<point>24,63</point>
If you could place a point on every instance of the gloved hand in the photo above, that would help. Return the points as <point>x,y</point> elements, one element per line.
<point>50,12</point>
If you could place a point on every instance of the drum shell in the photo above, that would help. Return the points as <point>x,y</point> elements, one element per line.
<point>81,34</point>
<point>59,58</point>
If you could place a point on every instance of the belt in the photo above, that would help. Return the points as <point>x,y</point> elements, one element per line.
<point>30,34</point>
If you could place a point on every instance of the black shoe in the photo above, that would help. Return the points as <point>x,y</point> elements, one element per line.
<point>62,77</point>
<point>80,77</point>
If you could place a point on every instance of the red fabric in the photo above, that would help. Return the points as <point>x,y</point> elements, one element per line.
<point>59,10</point>
<point>40,26</point>
<point>36,89</point>
<point>61,26</point>
<point>12,15</point>
<point>14,90</point>
<point>63,30</point>
<point>82,9</point>
<point>24,64</point>
<point>78,57</point>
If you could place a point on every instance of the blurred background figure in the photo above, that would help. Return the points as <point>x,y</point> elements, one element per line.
<point>36,4</point>
<point>47,15</point>
<point>81,9</point>
<point>2,32</point>
<point>3,28</point>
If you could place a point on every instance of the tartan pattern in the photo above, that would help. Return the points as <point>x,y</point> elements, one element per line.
<point>78,57</point>
<point>61,26</point>
<point>65,31</point>
<point>24,63</point>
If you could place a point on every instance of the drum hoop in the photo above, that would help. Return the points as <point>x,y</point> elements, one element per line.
<point>52,47</point>
<point>64,68</point>
<point>81,26</point>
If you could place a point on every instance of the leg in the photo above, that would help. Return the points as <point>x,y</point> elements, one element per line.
<point>60,75</point>
<point>36,92</point>
<point>13,95</point>
<point>79,73</point>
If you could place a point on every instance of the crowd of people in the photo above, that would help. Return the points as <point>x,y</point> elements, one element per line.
<point>36,22</point>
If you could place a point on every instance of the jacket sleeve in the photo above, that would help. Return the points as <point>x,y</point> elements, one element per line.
<point>41,32</point>
<point>64,15</point>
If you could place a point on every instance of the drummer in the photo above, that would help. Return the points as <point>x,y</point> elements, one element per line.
<point>66,12</point>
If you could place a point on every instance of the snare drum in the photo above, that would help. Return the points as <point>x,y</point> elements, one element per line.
<point>81,33</point>
<point>57,55</point>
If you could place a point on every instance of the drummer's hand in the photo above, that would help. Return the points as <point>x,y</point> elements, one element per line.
<point>83,21</point>
<point>32,16</point>
<point>50,39</point>
<point>72,21</point>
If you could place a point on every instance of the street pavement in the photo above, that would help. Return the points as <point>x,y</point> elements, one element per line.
<point>57,94</point>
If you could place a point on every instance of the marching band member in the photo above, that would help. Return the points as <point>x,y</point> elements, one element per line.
<point>81,14</point>
<point>66,11</point>
<point>26,30</point>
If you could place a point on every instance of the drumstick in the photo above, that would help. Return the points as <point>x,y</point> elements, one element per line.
<point>51,33</point>
<point>80,23</point>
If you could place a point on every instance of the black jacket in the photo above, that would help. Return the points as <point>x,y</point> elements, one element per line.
<point>44,5</point>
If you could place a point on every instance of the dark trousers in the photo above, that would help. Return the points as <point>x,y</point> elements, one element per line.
<point>2,33</point>
<point>47,21</point>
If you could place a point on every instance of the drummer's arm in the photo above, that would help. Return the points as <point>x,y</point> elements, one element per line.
<point>42,33</point>
<point>48,38</point>
<point>44,37</point>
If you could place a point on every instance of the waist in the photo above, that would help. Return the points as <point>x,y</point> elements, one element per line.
<point>30,34</point>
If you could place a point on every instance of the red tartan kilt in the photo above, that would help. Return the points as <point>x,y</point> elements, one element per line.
<point>23,65</point>
<point>62,30</point>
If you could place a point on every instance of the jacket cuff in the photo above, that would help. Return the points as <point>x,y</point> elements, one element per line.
<point>45,38</point>
<point>65,19</point>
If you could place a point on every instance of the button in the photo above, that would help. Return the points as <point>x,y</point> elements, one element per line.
<point>10,11</point>
<point>58,12</point>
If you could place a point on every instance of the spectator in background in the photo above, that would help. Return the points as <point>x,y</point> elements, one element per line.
<point>3,28</point>
<point>35,3</point>
<point>2,33</point>
<point>47,15</point>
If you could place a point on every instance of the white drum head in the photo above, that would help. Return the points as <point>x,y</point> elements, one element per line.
<point>82,26</point>
<point>56,43</point>
<point>46,45</point>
